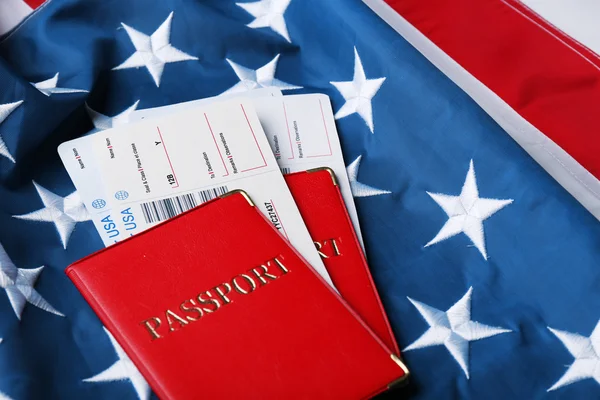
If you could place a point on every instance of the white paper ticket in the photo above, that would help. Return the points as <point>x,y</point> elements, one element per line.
<point>156,169</point>
<point>80,163</point>
<point>301,132</point>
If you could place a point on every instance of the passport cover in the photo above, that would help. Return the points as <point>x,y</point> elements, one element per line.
<point>322,207</point>
<point>215,303</point>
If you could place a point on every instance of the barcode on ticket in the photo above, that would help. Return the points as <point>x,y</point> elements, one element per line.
<point>161,210</point>
<point>285,170</point>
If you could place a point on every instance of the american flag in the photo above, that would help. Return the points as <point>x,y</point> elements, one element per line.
<point>468,128</point>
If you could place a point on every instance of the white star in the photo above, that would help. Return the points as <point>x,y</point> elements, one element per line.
<point>121,370</point>
<point>48,87</point>
<point>5,111</point>
<point>360,189</point>
<point>358,94</point>
<point>268,14</point>
<point>18,284</point>
<point>263,77</point>
<point>65,212</point>
<point>154,51</point>
<point>586,351</point>
<point>102,122</point>
<point>466,213</point>
<point>453,328</point>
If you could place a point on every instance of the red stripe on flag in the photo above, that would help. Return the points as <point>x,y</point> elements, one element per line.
<point>549,79</point>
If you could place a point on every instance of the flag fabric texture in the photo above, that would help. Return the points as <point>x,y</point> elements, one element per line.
<point>487,267</point>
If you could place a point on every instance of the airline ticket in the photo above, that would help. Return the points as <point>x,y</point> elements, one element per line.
<point>301,132</point>
<point>87,177</point>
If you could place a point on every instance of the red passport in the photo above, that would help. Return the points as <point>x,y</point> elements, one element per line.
<point>215,303</point>
<point>321,204</point>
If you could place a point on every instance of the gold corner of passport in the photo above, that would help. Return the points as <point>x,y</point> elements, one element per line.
<point>239,191</point>
<point>333,178</point>
<point>398,361</point>
<point>404,379</point>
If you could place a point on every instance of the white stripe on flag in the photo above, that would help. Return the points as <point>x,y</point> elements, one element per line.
<point>577,18</point>
<point>11,13</point>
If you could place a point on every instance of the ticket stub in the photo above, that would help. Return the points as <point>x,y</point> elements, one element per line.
<point>301,132</point>
<point>159,168</point>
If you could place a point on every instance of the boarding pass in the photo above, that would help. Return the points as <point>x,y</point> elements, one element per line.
<point>79,161</point>
<point>301,132</point>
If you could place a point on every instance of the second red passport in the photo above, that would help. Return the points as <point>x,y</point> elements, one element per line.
<point>215,303</point>
<point>321,204</point>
